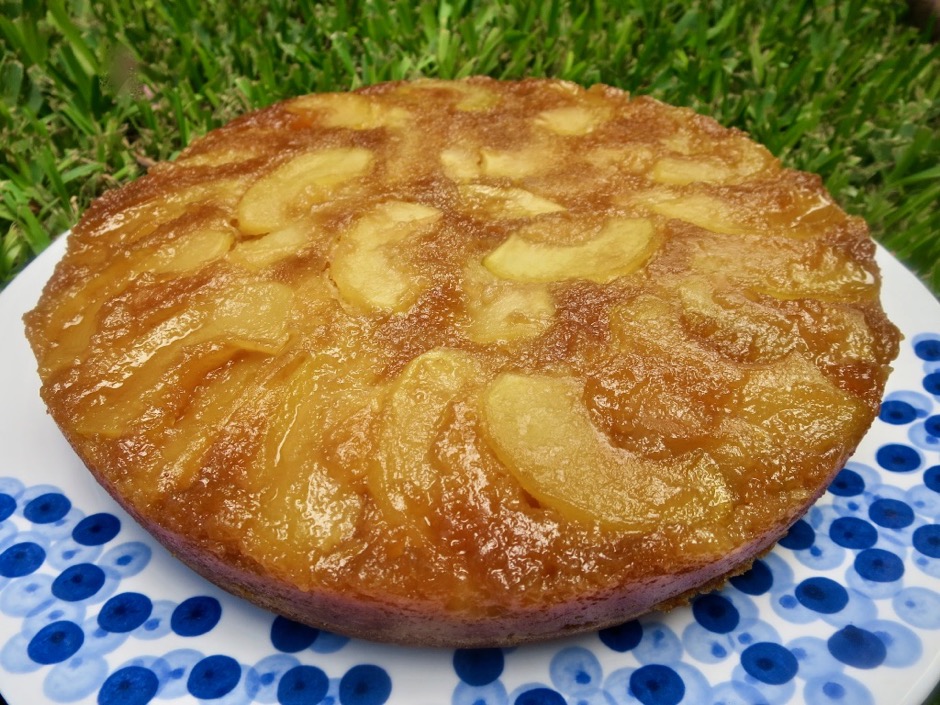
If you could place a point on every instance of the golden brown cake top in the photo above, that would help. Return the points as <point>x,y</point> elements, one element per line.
<point>468,345</point>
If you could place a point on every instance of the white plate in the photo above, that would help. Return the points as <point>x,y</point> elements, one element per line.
<point>846,611</point>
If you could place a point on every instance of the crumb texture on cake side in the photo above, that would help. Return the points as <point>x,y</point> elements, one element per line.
<point>466,362</point>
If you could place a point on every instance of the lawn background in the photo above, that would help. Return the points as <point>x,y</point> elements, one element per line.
<point>92,93</point>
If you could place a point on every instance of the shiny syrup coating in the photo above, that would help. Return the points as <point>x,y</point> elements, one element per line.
<point>466,363</point>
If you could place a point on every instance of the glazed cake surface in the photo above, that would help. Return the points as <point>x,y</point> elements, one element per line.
<point>466,363</point>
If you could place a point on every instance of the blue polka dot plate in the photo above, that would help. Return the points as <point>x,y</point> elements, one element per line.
<point>844,611</point>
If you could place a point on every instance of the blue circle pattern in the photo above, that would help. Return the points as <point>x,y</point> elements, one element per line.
<point>47,508</point>
<point>78,582</point>
<point>96,529</point>
<point>897,412</point>
<point>7,506</point>
<point>196,616</point>
<point>61,573</point>
<point>133,685</point>
<point>301,685</point>
<point>800,536</point>
<point>478,667</point>
<point>365,684</point>
<point>656,684</point>
<point>290,637</point>
<point>769,663</point>
<point>56,642</point>
<point>125,612</point>
<point>822,595</point>
<point>927,347</point>
<point>853,532</point>
<point>891,513</point>
<point>757,581</point>
<point>213,677</point>
<point>715,613</point>
<point>62,564</point>
<point>21,559</point>
<point>897,457</point>
<point>848,483</point>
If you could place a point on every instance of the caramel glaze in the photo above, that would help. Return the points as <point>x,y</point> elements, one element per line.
<point>239,399</point>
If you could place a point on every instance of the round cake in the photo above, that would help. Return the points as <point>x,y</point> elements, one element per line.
<point>466,363</point>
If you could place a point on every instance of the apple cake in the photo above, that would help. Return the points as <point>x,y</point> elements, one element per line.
<point>466,363</point>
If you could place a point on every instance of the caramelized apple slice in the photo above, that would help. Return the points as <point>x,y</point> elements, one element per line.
<point>499,202</point>
<point>652,327</point>
<point>573,120</point>
<point>787,410</point>
<point>279,197</point>
<point>502,310</point>
<point>211,154</point>
<point>350,111</point>
<point>514,164</point>
<point>251,317</point>
<point>735,326</point>
<point>78,315</point>
<point>476,98</point>
<point>787,269</point>
<point>714,214</point>
<point>798,213</point>
<point>736,159</point>
<point>842,337</point>
<point>470,97</point>
<point>622,246</point>
<point>678,171</point>
<point>403,479</point>
<point>303,502</point>
<point>239,383</point>
<point>540,429</point>
<point>827,275</point>
<point>263,251</point>
<point>636,159</point>
<point>365,269</point>
<point>187,253</point>
<point>460,163</point>
<point>793,399</point>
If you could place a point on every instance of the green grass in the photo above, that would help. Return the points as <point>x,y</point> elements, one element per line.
<point>92,92</point>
